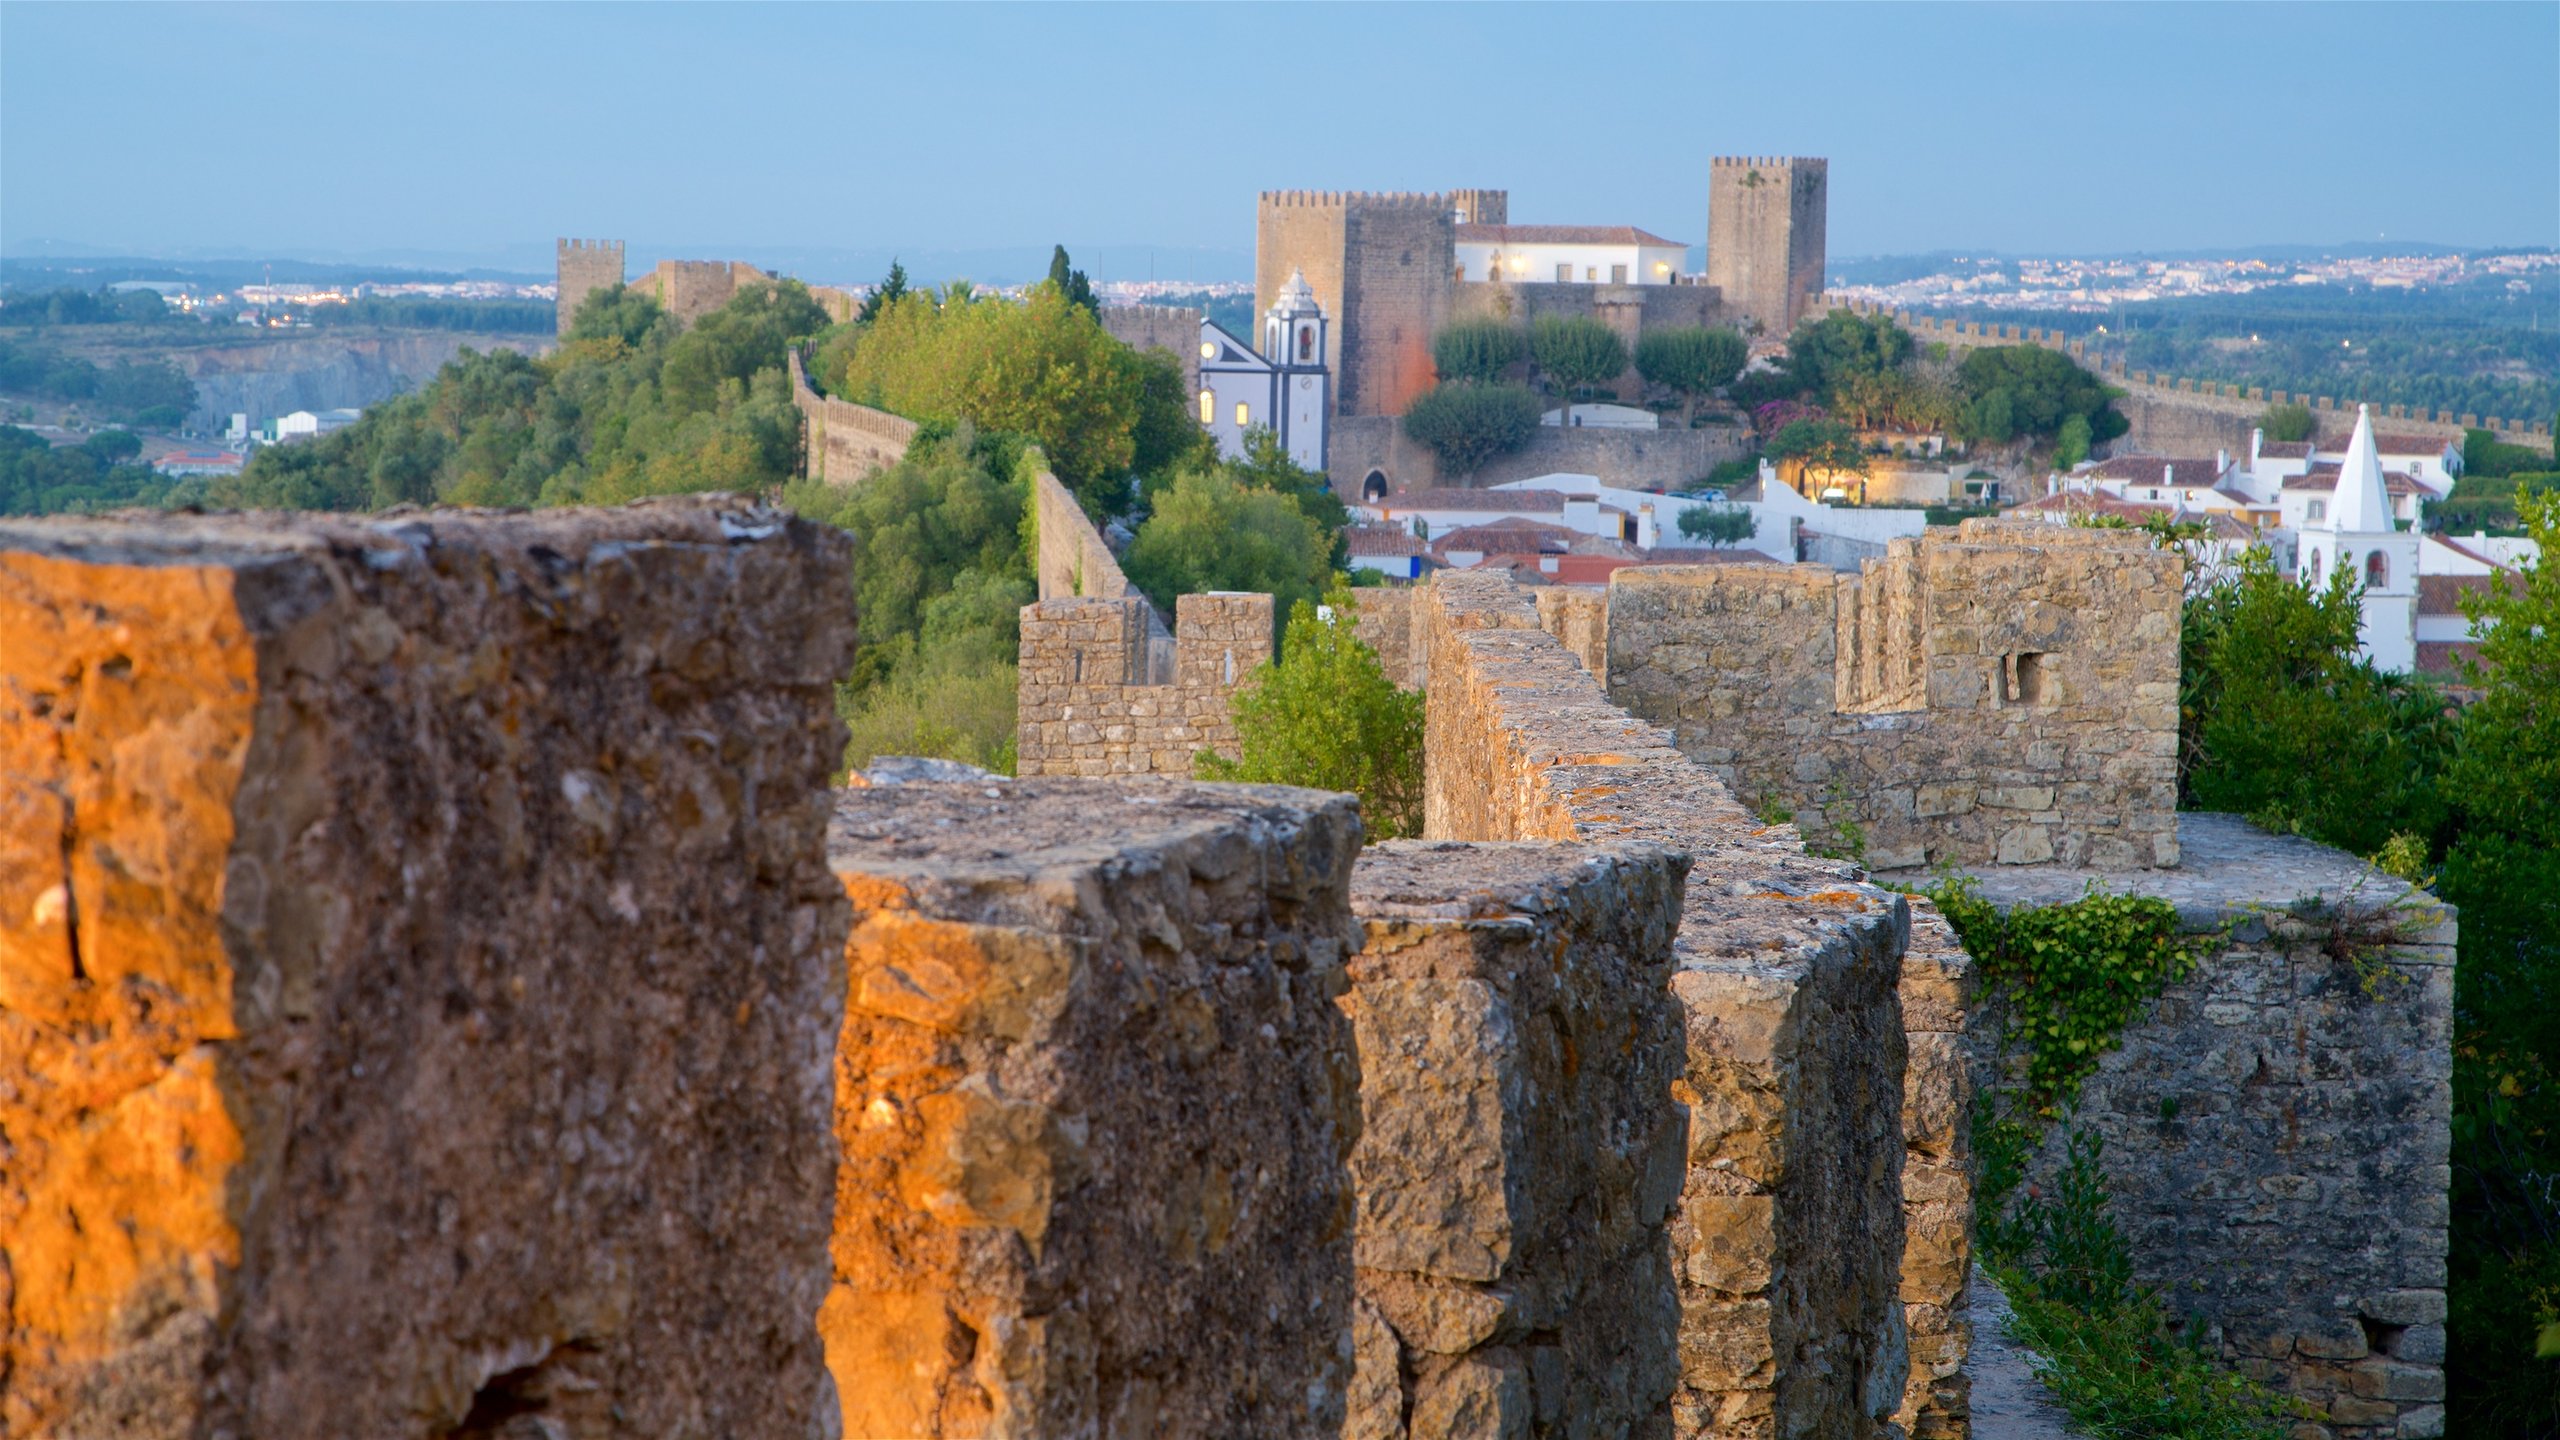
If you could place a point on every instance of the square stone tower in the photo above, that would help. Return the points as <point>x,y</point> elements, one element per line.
<point>1383,266</point>
<point>1766,216</point>
<point>585,266</point>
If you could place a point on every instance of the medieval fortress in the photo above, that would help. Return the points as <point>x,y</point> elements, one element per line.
<point>444,996</point>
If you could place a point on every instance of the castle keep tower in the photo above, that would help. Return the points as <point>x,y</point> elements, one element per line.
<point>1766,217</point>
<point>584,267</point>
<point>1382,266</point>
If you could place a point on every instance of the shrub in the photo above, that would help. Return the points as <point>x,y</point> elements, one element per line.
<point>1466,424</point>
<point>1691,359</point>
<point>1326,716</point>
<point>1577,350</point>
<point>2287,424</point>
<point>1478,350</point>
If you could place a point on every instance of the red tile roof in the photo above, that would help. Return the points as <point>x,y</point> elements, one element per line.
<point>1508,537</point>
<point>2444,657</point>
<point>1381,539</point>
<point>1563,235</point>
<point>1491,502</point>
<point>2427,445</point>
<point>2442,594</point>
<point>2146,470</point>
<point>2285,450</point>
<point>2324,476</point>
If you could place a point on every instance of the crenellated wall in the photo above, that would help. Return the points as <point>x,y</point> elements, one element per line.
<point>841,442</point>
<point>1092,699</point>
<point>2005,694</point>
<point>1789,1236</point>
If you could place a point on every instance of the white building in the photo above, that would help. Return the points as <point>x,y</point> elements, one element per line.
<point>1569,255</point>
<point>303,424</point>
<point>1282,388</point>
<point>2357,531</point>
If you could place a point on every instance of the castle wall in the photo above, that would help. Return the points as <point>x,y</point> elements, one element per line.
<point>1094,1101</point>
<point>2180,415</point>
<point>583,267</point>
<point>2276,1137</point>
<point>2046,672</point>
<point>1520,1150</point>
<point>841,442</point>
<point>1788,1238</point>
<point>1633,459</point>
<point>1091,700</point>
<point>691,289</point>
<point>1383,617</point>
<point>415,951</point>
<point>1174,329</point>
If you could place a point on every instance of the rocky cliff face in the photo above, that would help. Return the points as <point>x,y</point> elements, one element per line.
<point>323,371</point>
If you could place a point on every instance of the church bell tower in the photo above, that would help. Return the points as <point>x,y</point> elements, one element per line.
<point>1293,340</point>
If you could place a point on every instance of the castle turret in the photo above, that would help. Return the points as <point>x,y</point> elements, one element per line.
<point>1767,217</point>
<point>582,268</point>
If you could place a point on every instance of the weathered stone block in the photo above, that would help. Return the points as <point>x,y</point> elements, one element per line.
<point>417,962</point>
<point>1520,1149</point>
<point>1094,1100</point>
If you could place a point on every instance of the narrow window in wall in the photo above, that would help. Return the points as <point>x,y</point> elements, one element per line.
<point>1564,274</point>
<point>1617,274</point>
<point>2022,677</point>
<point>1208,407</point>
<point>1590,272</point>
<point>2319,510</point>
<point>2377,570</point>
<point>1244,414</point>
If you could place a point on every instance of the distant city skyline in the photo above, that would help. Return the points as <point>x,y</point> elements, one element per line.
<point>459,135</point>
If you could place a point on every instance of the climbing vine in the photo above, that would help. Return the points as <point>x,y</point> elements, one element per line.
<point>2069,978</point>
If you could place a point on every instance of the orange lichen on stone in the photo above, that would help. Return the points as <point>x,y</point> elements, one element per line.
<point>124,722</point>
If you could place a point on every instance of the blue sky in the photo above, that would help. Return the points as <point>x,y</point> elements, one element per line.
<point>482,131</point>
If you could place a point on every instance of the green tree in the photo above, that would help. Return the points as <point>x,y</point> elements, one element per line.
<point>1843,344</point>
<point>1326,716</point>
<point>2071,442</point>
<point>1478,350</point>
<point>1466,424</point>
<point>1718,525</point>
<point>891,289</point>
<point>1044,369</point>
<point>1827,447</point>
<point>1576,351</point>
<point>2287,424</point>
<point>2023,391</point>
<point>1691,359</point>
<point>2280,720</point>
<point>1210,532</point>
<point>2503,876</point>
<point>1072,283</point>
<point>1266,466</point>
<point>622,314</point>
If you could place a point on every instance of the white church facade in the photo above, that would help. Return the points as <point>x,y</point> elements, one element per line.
<point>2358,532</point>
<point>1284,387</point>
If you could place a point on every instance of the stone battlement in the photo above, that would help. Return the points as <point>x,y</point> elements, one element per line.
<point>1338,199</point>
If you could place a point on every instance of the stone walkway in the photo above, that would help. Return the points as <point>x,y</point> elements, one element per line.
<point>2009,1402</point>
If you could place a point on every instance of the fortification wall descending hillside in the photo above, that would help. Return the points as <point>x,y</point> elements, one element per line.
<point>2004,695</point>
<point>2181,415</point>
<point>2277,1129</point>
<point>843,443</point>
<point>417,967</point>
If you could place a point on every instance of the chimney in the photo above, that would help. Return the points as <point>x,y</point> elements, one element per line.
<point>1546,564</point>
<point>2257,442</point>
<point>2221,464</point>
<point>2168,473</point>
<point>1645,534</point>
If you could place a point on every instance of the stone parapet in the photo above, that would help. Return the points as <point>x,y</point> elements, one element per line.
<point>1094,1102</point>
<point>416,958</point>
<point>1093,698</point>
<point>1937,1178</point>
<point>1788,1235</point>
<point>2278,1129</point>
<point>840,442</point>
<point>1520,1150</point>
<point>2006,694</point>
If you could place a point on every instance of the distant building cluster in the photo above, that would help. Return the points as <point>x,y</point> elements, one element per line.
<point>2317,508</point>
<point>2099,285</point>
